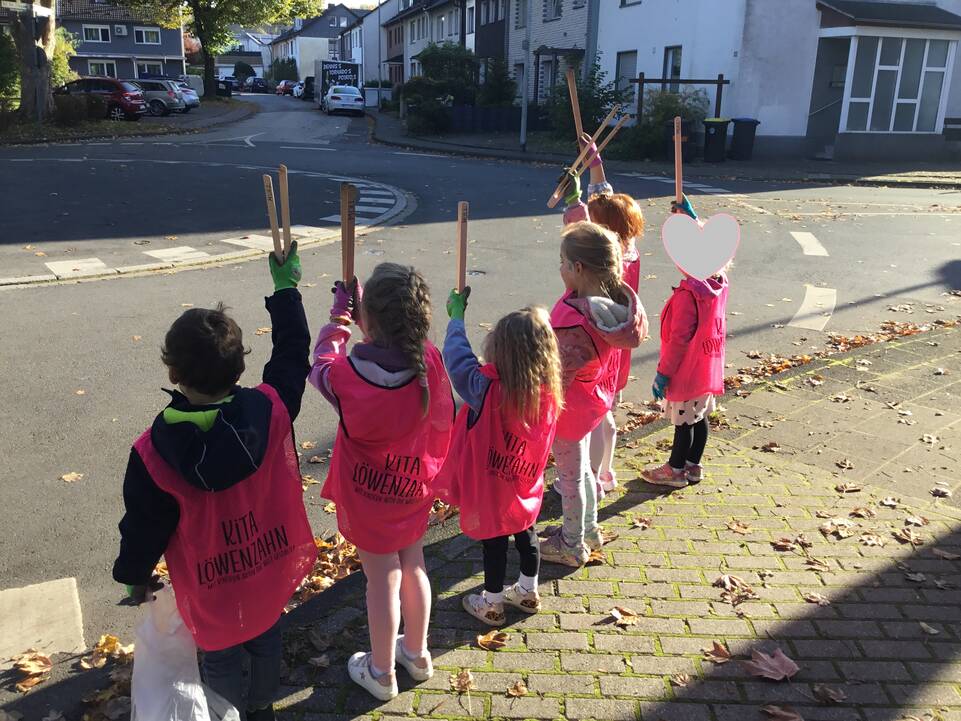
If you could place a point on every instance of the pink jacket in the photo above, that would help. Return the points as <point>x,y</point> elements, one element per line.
<point>693,337</point>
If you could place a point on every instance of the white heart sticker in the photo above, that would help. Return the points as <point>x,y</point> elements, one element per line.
<point>701,251</point>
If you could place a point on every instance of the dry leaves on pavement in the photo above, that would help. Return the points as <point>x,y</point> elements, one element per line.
<point>596,558</point>
<point>915,577</point>
<point>871,539</point>
<point>71,477</point>
<point>680,680</point>
<point>493,640</point>
<point>907,535</point>
<point>847,487</point>
<point>33,667</point>
<point>641,523</point>
<point>946,555</point>
<point>863,512</point>
<point>518,689</point>
<point>918,521</point>
<point>828,694</point>
<point>336,559</point>
<point>739,527</point>
<point>718,653</point>
<point>930,630</point>
<point>776,666</point>
<point>308,445</point>
<point>623,616</point>
<point>839,527</point>
<point>463,682</point>
<point>781,713</point>
<point>845,465</point>
<point>107,648</point>
<point>890,502</point>
<point>441,511</point>
<point>817,598</point>
<point>939,492</point>
<point>321,662</point>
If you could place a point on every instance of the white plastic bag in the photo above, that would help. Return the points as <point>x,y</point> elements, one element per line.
<point>166,682</point>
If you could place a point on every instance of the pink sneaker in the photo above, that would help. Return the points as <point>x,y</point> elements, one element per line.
<point>665,476</point>
<point>693,473</point>
<point>607,481</point>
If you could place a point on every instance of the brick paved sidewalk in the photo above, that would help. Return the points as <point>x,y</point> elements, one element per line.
<point>888,643</point>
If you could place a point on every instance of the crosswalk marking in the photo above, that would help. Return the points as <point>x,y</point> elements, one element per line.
<point>45,616</point>
<point>375,191</point>
<point>78,267</point>
<point>260,242</point>
<point>307,230</point>
<point>336,219</point>
<point>372,199</point>
<point>369,209</point>
<point>179,254</point>
<point>810,245</point>
<point>816,308</point>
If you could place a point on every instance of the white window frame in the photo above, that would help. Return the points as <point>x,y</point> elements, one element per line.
<point>101,28</point>
<point>144,30</point>
<point>158,63</point>
<point>92,61</point>
<point>903,36</point>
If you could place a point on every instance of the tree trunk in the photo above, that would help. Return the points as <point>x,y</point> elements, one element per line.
<point>36,97</point>
<point>210,73</point>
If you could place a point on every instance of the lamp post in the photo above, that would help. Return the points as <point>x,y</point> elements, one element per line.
<point>525,92</point>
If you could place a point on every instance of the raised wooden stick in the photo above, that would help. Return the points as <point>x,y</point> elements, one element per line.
<point>348,217</point>
<point>575,103</point>
<point>678,157</point>
<point>463,207</point>
<point>576,165</point>
<point>608,138</point>
<point>285,209</point>
<point>272,215</point>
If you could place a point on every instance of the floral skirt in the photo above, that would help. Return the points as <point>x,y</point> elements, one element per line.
<point>689,412</point>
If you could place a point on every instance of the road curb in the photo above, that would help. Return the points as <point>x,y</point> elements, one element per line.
<point>690,171</point>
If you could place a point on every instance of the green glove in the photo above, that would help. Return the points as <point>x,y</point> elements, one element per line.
<point>286,274</point>
<point>573,191</point>
<point>457,303</point>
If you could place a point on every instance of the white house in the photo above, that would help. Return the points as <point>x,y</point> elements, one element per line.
<point>316,38</point>
<point>829,78</point>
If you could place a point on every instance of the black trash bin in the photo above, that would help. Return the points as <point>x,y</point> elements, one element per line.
<point>742,144</point>
<point>715,139</point>
<point>688,141</point>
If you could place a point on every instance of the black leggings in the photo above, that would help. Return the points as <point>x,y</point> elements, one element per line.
<point>689,442</point>
<point>495,558</point>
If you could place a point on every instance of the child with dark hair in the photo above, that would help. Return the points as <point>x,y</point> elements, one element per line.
<point>214,487</point>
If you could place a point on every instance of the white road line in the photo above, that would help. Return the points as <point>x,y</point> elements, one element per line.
<point>131,143</point>
<point>360,221</point>
<point>71,160</point>
<point>816,308</point>
<point>301,147</point>
<point>179,254</point>
<point>307,230</point>
<point>78,267</point>
<point>21,160</point>
<point>421,155</point>
<point>369,209</point>
<point>260,242</point>
<point>45,616</point>
<point>809,244</point>
<point>377,191</point>
<point>364,198</point>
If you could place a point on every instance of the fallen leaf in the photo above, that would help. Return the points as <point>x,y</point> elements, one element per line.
<point>718,653</point>
<point>871,539</point>
<point>596,558</point>
<point>642,523</point>
<point>322,661</point>
<point>330,508</point>
<point>739,527</point>
<point>320,641</point>
<point>317,459</point>
<point>729,582</point>
<point>930,439</point>
<point>71,477</point>
<point>946,555</point>
<point>817,564</point>
<point>186,305</point>
<point>939,492</point>
<point>930,630</point>
<point>623,616</point>
<point>136,338</point>
<point>463,682</point>
<point>906,535</point>
<point>608,536</point>
<point>845,465</point>
<point>263,330</point>
<point>840,398</point>
<point>827,694</point>
<point>916,577</point>
<point>518,689</point>
<point>308,445</point>
<point>776,666</point>
<point>815,380</point>
<point>863,512</point>
<point>771,447</point>
<point>79,392</point>
<point>107,648</point>
<point>890,502</point>
<point>816,598</point>
<point>680,680</point>
<point>940,372</point>
<point>493,640</point>
<point>784,544</point>
<point>838,527</point>
<point>170,237</point>
<point>915,521</point>
<point>33,668</point>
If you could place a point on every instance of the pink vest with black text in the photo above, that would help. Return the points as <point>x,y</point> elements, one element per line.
<point>592,392</point>
<point>237,555</point>
<point>632,277</point>
<point>386,454</point>
<point>495,470</point>
<point>702,370</point>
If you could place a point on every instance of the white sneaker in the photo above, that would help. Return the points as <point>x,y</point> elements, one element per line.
<point>526,601</point>
<point>383,688</point>
<point>480,608</point>
<point>418,673</point>
<point>607,481</point>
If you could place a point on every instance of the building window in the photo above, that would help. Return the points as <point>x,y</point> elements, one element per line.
<point>440,27</point>
<point>146,36</point>
<point>672,65</point>
<point>96,33</point>
<point>553,9</point>
<point>897,85</point>
<point>470,19</point>
<point>414,68</point>
<point>413,31</point>
<point>521,19</point>
<point>107,68</point>
<point>343,21</point>
<point>149,69</point>
<point>519,78</point>
<point>627,71</point>
<point>333,21</point>
<point>628,3</point>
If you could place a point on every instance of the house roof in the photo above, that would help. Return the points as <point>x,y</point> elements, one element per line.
<point>418,7</point>
<point>316,27</point>
<point>97,10</point>
<point>894,14</point>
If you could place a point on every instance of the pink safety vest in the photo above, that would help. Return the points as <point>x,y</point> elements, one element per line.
<point>239,554</point>
<point>495,470</point>
<point>591,394</point>
<point>387,454</point>
<point>702,369</point>
<point>632,277</point>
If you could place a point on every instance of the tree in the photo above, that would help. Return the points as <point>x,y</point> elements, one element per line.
<point>596,97</point>
<point>242,71</point>
<point>209,21</point>
<point>64,49</point>
<point>34,50</point>
<point>9,71</point>
<point>499,88</point>
<point>283,69</point>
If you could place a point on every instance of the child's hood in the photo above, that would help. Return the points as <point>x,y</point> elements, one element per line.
<point>214,447</point>
<point>621,326</point>
<point>704,289</point>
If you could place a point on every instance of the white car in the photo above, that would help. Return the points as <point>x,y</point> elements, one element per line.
<point>344,98</point>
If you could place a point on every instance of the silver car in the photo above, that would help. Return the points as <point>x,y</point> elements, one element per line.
<point>162,96</point>
<point>191,99</point>
<point>344,98</point>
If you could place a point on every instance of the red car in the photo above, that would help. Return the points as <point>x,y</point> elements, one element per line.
<point>124,101</point>
<point>285,87</point>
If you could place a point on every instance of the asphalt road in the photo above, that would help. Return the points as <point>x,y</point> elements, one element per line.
<point>870,248</point>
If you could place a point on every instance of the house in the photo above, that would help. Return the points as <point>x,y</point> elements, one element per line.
<point>119,42</point>
<point>224,64</point>
<point>351,41</point>
<point>313,39</point>
<point>417,24</point>
<point>845,79</point>
<point>489,19</point>
<point>379,44</point>
<point>246,41</point>
<point>561,34</point>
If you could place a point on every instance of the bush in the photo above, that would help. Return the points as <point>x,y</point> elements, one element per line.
<point>64,49</point>
<point>499,89</point>
<point>243,70</point>
<point>430,117</point>
<point>282,70</point>
<point>69,110</point>
<point>96,107</point>
<point>646,139</point>
<point>378,84</point>
<point>9,68</point>
<point>595,96</point>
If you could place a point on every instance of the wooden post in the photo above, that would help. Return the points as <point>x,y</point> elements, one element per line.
<point>284,210</point>
<point>272,216</point>
<point>576,165</point>
<point>463,208</point>
<point>678,183</point>
<point>640,97</point>
<point>348,217</point>
<point>717,95</point>
<point>575,104</point>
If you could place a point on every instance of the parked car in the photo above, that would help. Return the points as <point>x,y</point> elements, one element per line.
<point>285,87</point>
<point>298,90</point>
<point>308,93</point>
<point>191,98</point>
<point>256,85</point>
<point>124,100</point>
<point>233,82</point>
<point>343,98</point>
<point>162,96</point>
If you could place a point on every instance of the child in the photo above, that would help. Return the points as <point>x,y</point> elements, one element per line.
<point>214,486</point>
<point>396,414</point>
<point>690,372</point>
<point>502,438</point>
<point>597,316</point>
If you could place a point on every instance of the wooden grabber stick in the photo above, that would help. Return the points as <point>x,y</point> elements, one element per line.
<point>284,208</point>
<point>272,216</point>
<point>575,103</point>
<point>348,218</point>
<point>678,158</point>
<point>463,207</point>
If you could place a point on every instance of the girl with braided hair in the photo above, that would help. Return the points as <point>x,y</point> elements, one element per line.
<point>396,416</point>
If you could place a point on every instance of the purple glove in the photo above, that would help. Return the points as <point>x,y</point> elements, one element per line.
<point>346,300</point>
<point>576,213</point>
<point>593,156</point>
